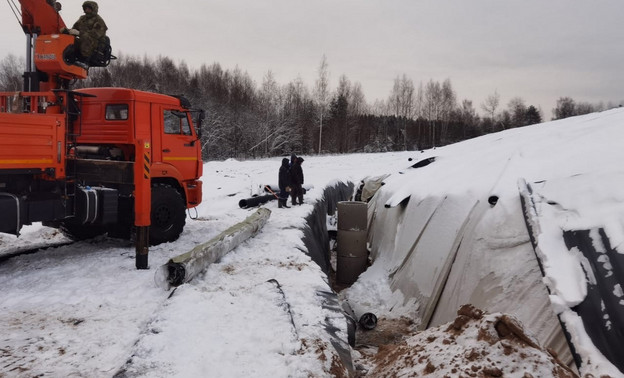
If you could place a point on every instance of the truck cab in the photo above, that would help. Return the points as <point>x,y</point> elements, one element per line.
<point>130,158</point>
<point>93,161</point>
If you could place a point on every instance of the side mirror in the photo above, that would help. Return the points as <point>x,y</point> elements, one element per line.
<point>199,120</point>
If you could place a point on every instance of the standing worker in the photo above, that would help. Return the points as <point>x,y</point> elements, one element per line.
<point>296,181</point>
<point>293,159</point>
<point>283,183</point>
<point>89,30</point>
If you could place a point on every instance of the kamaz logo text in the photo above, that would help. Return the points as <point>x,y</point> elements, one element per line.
<point>46,56</point>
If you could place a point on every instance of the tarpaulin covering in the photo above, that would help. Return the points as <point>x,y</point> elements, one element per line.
<point>440,252</point>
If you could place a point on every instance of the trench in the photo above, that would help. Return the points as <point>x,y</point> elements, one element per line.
<point>316,236</point>
<point>317,241</point>
<point>360,336</point>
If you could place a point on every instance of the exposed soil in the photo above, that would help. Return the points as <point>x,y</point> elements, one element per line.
<point>475,344</point>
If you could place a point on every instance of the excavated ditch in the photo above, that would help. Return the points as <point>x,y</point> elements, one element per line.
<point>397,347</point>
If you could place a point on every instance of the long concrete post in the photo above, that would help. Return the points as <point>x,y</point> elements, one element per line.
<point>183,268</point>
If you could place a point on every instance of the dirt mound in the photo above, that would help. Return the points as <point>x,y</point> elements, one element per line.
<point>475,344</point>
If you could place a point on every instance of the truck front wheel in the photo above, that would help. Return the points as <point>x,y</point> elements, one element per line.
<point>168,214</point>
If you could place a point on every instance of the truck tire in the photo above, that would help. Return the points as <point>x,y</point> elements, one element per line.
<point>77,231</point>
<point>168,214</point>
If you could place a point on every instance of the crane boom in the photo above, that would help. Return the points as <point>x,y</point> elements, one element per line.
<point>41,17</point>
<point>50,56</point>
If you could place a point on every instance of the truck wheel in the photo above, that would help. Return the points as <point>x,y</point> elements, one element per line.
<point>168,214</point>
<point>77,231</point>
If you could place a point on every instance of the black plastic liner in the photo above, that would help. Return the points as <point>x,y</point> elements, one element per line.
<point>602,311</point>
<point>316,240</point>
<point>315,235</point>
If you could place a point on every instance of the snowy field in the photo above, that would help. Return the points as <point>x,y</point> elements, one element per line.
<point>83,310</point>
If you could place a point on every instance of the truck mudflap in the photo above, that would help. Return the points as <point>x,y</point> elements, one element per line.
<point>193,191</point>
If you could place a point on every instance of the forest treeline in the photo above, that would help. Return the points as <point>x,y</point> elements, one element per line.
<point>245,119</point>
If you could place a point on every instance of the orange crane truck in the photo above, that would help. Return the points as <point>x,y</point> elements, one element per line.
<point>93,161</point>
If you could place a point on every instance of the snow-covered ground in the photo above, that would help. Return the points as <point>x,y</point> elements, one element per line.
<point>84,310</point>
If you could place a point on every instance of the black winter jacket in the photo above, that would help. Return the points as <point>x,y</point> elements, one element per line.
<point>296,174</point>
<point>284,175</point>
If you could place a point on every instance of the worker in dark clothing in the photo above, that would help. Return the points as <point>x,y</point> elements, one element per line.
<point>57,6</point>
<point>284,184</point>
<point>293,159</point>
<point>89,30</point>
<point>296,181</point>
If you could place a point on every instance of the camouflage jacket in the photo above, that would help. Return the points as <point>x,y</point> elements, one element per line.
<point>91,26</point>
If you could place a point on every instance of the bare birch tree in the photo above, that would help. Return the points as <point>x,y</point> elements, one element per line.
<point>449,104</point>
<point>432,106</point>
<point>403,103</point>
<point>268,106</point>
<point>11,74</point>
<point>343,94</point>
<point>357,100</point>
<point>490,104</point>
<point>321,94</point>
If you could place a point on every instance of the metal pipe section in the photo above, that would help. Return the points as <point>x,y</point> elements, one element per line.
<point>255,201</point>
<point>259,200</point>
<point>142,247</point>
<point>352,256</point>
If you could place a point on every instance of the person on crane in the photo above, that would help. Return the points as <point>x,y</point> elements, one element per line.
<point>57,6</point>
<point>89,30</point>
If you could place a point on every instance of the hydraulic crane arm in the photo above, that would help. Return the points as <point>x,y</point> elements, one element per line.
<point>47,50</point>
<point>41,17</point>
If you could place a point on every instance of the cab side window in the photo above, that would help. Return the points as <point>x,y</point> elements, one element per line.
<point>186,126</point>
<point>176,122</point>
<point>116,112</point>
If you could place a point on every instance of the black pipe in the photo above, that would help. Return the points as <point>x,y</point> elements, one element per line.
<point>259,200</point>
<point>255,201</point>
<point>424,162</point>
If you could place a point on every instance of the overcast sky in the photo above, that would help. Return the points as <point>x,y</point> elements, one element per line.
<point>538,50</point>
